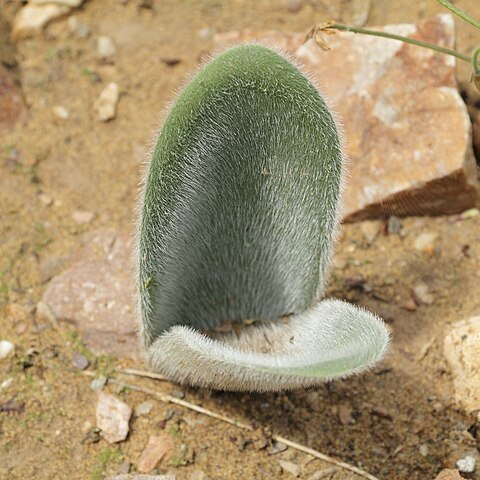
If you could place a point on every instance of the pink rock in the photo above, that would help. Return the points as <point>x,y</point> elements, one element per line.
<point>157,448</point>
<point>406,128</point>
<point>113,416</point>
<point>96,294</point>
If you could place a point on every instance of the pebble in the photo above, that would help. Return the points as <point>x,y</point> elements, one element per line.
<point>47,200</point>
<point>6,383</point>
<point>294,6</point>
<point>423,449</point>
<point>82,217</point>
<point>31,19</point>
<point>143,409</point>
<point>205,33</point>
<point>422,295</point>
<point>178,393</point>
<point>80,361</point>
<point>409,305</point>
<point>466,464</point>
<point>290,467</point>
<point>425,242</point>
<point>157,448</point>
<point>113,417</point>
<point>77,27</point>
<point>98,383</point>
<point>370,230</point>
<point>6,348</point>
<point>345,415</point>
<point>60,112</point>
<point>106,104</point>
<point>393,225</point>
<point>105,47</point>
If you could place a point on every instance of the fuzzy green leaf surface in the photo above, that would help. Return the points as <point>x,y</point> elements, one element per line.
<point>240,206</point>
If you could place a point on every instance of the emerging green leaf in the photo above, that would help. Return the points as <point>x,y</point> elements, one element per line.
<point>238,217</point>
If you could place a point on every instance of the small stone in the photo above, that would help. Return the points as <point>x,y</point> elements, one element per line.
<point>6,383</point>
<point>421,294</point>
<point>340,263</point>
<point>60,112</point>
<point>80,361</point>
<point>425,242</point>
<point>370,230</point>
<point>6,349</point>
<point>290,467</point>
<point>77,27</point>
<point>409,305</point>
<point>82,217</point>
<point>294,6</point>
<point>156,449</point>
<point>423,449</point>
<point>45,199</point>
<point>113,416</point>
<point>106,104</point>
<point>143,409</point>
<point>394,225</point>
<point>470,213</point>
<point>98,383</point>
<point>462,351</point>
<point>466,464</point>
<point>276,447</point>
<point>345,415</point>
<point>105,47</point>
<point>31,19</point>
<point>178,393</point>
<point>205,33</point>
<point>448,474</point>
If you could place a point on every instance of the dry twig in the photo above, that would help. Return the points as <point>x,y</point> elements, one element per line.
<point>165,398</point>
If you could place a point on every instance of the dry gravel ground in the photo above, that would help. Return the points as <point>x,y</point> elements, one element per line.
<point>398,422</point>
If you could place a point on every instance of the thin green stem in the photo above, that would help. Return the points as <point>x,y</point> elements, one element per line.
<point>460,13</point>
<point>475,63</point>
<point>419,43</point>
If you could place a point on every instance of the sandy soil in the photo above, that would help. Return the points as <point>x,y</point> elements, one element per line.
<point>82,164</point>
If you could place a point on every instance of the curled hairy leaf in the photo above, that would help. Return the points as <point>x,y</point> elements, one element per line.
<point>238,217</point>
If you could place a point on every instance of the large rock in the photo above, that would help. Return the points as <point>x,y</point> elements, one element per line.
<point>96,294</point>
<point>406,128</point>
<point>462,351</point>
